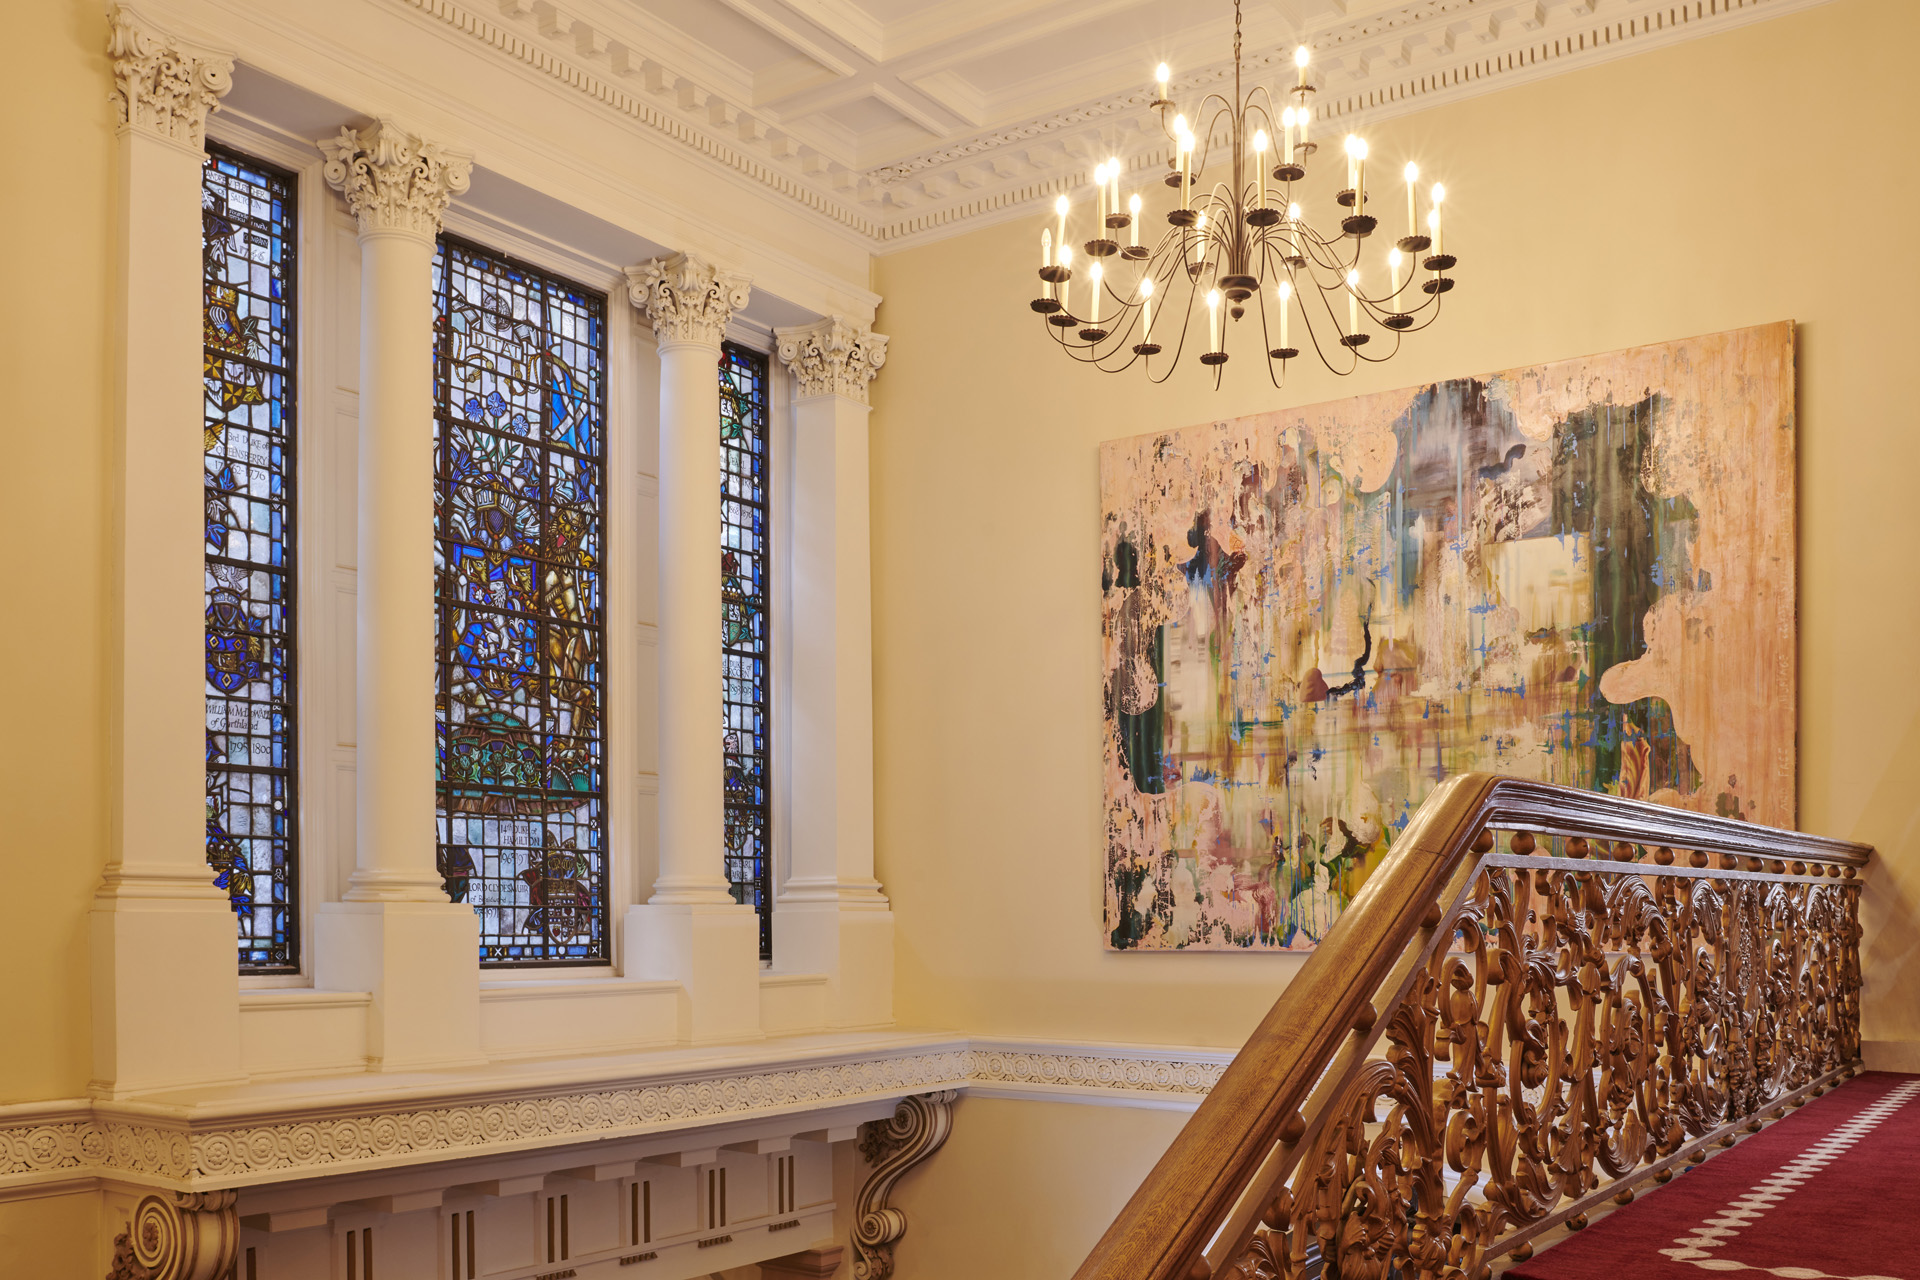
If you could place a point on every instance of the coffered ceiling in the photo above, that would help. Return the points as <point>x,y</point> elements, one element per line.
<point>905,120</point>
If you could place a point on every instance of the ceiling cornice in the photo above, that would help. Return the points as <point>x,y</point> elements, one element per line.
<point>1403,59</point>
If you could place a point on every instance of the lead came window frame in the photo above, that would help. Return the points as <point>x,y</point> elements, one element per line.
<point>746,608</point>
<point>249,246</point>
<point>533,860</point>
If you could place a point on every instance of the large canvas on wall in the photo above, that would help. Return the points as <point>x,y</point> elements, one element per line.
<point>1581,572</point>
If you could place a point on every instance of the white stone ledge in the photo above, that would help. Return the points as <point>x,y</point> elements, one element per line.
<point>276,1130</point>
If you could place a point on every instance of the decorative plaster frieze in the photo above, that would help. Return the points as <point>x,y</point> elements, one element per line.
<point>394,181</point>
<point>687,299</point>
<point>161,86</point>
<point>833,357</point>
<point>66,1141</point>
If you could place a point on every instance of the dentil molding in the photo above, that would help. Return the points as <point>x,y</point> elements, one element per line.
<point>331,1134</point>
<point>161,86</point>
<point>832,357</point>
<point>394,181</point>
<point>687,298</point>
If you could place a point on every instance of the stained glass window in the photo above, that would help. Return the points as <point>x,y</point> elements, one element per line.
<point>745,564</point>
<point>519,506</point>
<point>247,242</point>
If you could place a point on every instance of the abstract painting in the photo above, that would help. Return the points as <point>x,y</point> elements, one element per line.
<point>1580,572</point>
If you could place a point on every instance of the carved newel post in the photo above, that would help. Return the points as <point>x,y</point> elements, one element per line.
<point>691,930</point>
<point>396,935</point>
<point>833,919</point>
<point>164,966</point>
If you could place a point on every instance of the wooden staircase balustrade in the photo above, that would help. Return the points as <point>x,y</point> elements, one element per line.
<point>1491,1041</point>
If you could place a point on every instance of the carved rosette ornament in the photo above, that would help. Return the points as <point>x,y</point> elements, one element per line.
<point>179,1236</point>
<point>687,299</point>
<point>918,1127</point>
<point>834,357</point>
<point>394,181</point>
<point>161,86</point>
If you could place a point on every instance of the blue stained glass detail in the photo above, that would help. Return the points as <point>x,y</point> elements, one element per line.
<point>520,386</point>
<point>745,574</point>
<point>247,242</point>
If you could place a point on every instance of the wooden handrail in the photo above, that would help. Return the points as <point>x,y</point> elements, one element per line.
<point>1385,969</point>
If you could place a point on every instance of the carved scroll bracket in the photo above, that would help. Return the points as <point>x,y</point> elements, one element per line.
<point>180,1236</point>
<point>918,1127</point>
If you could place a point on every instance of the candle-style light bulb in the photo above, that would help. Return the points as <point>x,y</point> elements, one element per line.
<point>1353,300</point>
<point>1060,210</point>
<point>1260,163</point>
<point>1100,199</point>
<point>1300,118</point>
<point>1095,274</point>
<point>1301,56</point>
<point>1213,319</point>
<point>1433,231</point>
<point>1146,308</point>
<point>1285,290</point>
<point>1433,218</point>
<point>1113,183</point>
<point>1133,218</point>
<point>1413,214</point>
<point>1161,74</point>
<point>1357,148</point>
<point>1199,237</point>
<point>1286,136</point>
<point>1066,286</point>
<point>1046,247</point>
<point>1393,279</point>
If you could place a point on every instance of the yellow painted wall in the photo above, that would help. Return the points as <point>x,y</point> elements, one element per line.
<point>1024,1188</point>
<point>55,277</point>
<point>55,1237</point>
<point>1759,174</point>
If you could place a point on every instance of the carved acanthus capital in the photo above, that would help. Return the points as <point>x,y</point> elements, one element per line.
<point>161,86</point>
<point>833,357</point>
<point>687,299</point>
<point>394,180</point>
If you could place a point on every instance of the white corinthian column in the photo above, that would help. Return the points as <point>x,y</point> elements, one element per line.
<point>165,968</point>
<point>691,930</point>
<point>396,935</point>
<point>833,919</point>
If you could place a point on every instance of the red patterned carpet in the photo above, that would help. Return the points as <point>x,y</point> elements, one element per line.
<point>1832,1192</point>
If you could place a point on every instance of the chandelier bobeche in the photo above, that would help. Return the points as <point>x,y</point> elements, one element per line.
<point>1243,241</point>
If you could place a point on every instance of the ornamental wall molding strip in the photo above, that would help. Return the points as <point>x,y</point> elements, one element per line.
<point>1404,59</point>
<point>172,1148</point>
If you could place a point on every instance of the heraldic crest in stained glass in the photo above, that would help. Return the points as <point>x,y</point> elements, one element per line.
<point>519,509</point>
<point>248,258</point>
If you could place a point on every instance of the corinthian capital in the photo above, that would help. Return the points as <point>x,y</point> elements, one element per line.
<point>393,180</point>
<point>161,86</point>
<point>833,357</point>
<point>687,300</point>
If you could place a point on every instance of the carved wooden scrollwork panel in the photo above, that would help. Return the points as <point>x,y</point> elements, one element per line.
<point>1593,1022</point>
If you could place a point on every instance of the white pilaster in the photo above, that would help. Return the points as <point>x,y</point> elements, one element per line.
<point>163,939</point>
<point>832,916</point>
<point>691,930</point>
<point>396,935</point>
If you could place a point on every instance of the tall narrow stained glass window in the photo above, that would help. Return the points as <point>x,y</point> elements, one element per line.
<point>519,508</point>
<point>745,574</point>
<point>247,244</point>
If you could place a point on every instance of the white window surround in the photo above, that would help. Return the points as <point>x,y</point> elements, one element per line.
<point>289,1029</point>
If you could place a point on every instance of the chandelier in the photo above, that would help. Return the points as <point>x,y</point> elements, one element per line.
<point>1240,243</point>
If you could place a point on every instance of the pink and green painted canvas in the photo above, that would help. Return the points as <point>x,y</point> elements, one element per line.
<point>1581,572</point>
